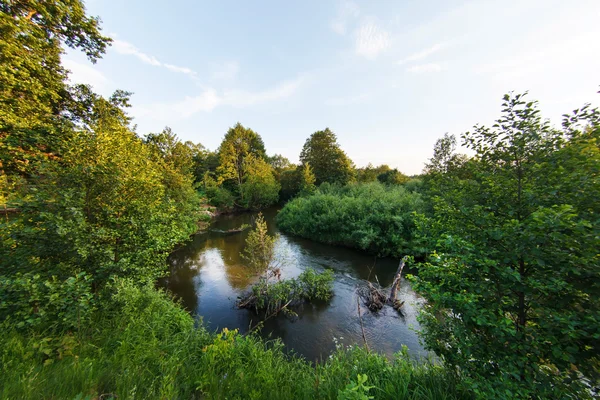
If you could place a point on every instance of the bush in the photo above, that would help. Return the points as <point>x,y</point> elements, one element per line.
<point>220,197</point>
<point>370,217</point>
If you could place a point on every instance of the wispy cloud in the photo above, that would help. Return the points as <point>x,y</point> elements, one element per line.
<point>371,40</point>
<point>425,68</point>
<point>210,99</point>
<point>421,54</point>
<point>86,74</point>
<point>126,48</point>
<point>347,12</point>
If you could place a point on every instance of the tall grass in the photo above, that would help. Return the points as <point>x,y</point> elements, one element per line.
<point>371,217</point>
<point>144,346</point>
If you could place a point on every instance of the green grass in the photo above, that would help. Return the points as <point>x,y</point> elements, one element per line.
<point>144,346</point>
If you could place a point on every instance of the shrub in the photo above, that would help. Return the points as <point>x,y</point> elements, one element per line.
<point>369,217</point>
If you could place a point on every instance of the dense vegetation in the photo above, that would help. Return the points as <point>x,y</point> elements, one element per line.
<point>371,217</point>
<point>142,345</point>
<point>91,210</point>
<point>513,288</point>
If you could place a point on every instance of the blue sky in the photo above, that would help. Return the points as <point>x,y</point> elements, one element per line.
<point>388,77</point>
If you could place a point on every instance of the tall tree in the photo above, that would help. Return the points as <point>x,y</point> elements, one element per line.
<point>327,160</point>
<point>237,145</point>
<point>33,92</point>
<point>513,293</point>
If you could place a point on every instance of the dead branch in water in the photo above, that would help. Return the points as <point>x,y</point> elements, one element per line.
<point>362,327</point>
<point>375,297</point>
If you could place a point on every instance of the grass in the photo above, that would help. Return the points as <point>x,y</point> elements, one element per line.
<point>144,346</point>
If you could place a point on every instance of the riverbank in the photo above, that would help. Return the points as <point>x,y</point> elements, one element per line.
<point>143,345</point>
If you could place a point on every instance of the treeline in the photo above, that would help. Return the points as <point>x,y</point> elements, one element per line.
<point>240,174</point>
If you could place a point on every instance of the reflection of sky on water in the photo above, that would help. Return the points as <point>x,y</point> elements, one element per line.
<point>208,274</point>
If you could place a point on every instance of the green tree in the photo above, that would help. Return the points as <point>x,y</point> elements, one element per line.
<point>260,189</point>
<point>105,211</point>
<point>180,155</point>
<point>237,145</point>
<point>260,247</point>
<point>327,159</point>
<point>307,181</point>
<point>392,177</point>
<point>512,291</point>
<point>33,92</point>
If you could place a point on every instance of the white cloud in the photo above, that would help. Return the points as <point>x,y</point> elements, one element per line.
<point>347,12</point>
<point>86,74</point>
<point>425,68</point>
<point>126,48</point>
<point>371,40</point>
<point>210,99</point>
<point>421,54</point>
<point>226,72</point>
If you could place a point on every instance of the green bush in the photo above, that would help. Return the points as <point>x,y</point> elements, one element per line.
<point>371,217</point>
<point>220,197</point>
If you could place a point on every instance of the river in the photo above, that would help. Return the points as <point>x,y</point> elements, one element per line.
<point>208,275</point>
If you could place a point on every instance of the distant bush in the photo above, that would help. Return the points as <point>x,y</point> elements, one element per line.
<point>371,217</point>
<point>220,197</point>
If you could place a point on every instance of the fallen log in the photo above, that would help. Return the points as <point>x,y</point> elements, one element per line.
<point>396,282</point>
<point>375,297</point>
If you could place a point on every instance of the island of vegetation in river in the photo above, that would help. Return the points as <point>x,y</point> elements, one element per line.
<point>505,240</point>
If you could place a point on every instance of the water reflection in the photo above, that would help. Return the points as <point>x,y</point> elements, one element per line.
<point>208,275</point>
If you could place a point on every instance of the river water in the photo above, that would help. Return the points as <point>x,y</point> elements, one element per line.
<point>208,275</point>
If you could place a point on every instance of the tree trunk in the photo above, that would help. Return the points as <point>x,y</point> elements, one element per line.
<point>396,282</point>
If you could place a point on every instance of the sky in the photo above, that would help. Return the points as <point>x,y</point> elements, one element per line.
<point>388,77</point>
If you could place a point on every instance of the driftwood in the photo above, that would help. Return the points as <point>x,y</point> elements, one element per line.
<point>375,297</point>
<point>231,231</point>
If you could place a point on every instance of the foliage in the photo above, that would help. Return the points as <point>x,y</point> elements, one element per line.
<point>180,156</point>
<point>275,297</point>
<point>392,177</point>
<point>143,345</point>
<point>369,217</point>
<point>29,301</point>
<point>356,390</point>
<point>307,180</point>
<point>370,173</point>
<point>290,181</point>
<point>243,169</point>
<point>512,291</point>
<point>33,93</point>
<point>260,188</point>
<point>260,247</point>
<point>327,160</point>
<point>107,209</point>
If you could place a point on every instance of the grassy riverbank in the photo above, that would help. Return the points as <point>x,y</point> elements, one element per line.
<point>143,345</point>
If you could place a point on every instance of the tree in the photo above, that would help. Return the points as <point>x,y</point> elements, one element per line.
<point>260,247</point>
<point>107,210</point>
<point>260,189</point>
<point>180,155</point>
<point>513,299</point>
<point>237,145</point>
<point>33,90</point>
<point>307,185</point>
<point>327,159</point>
<point>392,177</point>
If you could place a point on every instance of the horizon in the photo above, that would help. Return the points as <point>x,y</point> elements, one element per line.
<point>387,79</point>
